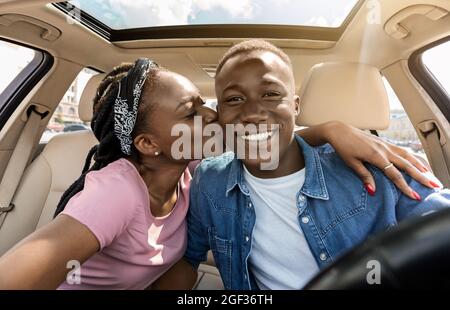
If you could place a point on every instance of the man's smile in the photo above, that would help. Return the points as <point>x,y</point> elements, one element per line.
<point>256,136</point>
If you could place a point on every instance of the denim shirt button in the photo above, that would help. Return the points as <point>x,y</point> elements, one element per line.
<point>249,205</point>
<point>305,220</point>
<point>301,199</point>
<point>323,256</point>
<point>247,238</point>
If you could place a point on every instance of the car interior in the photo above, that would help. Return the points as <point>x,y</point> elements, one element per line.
<point>340,70</point>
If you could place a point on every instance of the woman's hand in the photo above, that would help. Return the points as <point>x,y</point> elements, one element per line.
<point>40,260</point>
<point>355,147</point>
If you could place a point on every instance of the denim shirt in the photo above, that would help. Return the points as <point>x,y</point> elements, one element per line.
<point>335,211</point>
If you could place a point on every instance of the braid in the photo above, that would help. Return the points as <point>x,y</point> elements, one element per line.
<point>108,150</point>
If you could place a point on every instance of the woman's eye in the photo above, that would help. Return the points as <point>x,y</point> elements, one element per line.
<point>192,114</point>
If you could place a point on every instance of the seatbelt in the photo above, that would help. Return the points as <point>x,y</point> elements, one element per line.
<point>18,161</point>
<point>430,131</point>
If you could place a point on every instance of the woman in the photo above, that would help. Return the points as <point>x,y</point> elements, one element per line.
<point>124,218</point>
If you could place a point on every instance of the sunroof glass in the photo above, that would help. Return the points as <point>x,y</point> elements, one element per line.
<point>125,14</point>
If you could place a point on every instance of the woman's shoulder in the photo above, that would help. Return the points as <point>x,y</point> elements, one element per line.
<point>115,186</point>
<point>109,201</point>
<point>120,175</point>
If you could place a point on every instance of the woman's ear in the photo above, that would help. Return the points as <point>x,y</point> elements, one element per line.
<point>297,105</point>
<point>147,145</point>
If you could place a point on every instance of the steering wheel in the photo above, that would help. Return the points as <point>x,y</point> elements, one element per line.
<point>413,255</point>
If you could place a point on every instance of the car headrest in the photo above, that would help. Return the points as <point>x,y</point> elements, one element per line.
<point>353,93</point>
<point>85,107</point>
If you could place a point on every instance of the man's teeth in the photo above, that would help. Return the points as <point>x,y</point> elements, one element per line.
<point>257,137</point>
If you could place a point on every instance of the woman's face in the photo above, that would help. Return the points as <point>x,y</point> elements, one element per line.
<point>176,107</point>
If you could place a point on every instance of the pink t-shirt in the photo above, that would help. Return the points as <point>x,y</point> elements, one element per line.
<point>136,248</point>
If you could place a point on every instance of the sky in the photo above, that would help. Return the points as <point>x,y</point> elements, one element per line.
<point>146,13</point>
<point>13,59</point>
<point>438,61</point>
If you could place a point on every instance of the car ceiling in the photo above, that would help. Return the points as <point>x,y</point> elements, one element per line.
<point>362,41</point>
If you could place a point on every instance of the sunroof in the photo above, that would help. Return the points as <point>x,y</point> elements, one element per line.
<point>125,14</point>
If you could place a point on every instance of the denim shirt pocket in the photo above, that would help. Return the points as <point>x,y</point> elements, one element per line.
<point>343,210</point>
<point>221,249</point>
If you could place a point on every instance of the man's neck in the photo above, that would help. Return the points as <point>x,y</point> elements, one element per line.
<point>290,162</point>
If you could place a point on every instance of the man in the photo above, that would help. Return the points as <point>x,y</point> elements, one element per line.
<point>275,228</point>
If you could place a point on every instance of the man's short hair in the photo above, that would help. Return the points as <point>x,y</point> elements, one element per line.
<point>249,46</point>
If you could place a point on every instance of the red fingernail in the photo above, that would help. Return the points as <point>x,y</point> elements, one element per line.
<point>416,196</point>
<point>370,189</point>
<point>435,185</point>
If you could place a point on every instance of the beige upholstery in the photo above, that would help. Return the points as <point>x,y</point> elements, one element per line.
<point>349,92</point>
<point>43,183</point>
<point>49,175</point>
<point>208,278</point>
<point>86,104</point>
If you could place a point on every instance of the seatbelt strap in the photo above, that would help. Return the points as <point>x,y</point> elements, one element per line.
<point>431,133</point>
<point>18,162</point>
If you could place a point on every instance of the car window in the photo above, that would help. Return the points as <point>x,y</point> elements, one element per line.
<point>401,131</point>
<point>22,68</point>
<point>65,118</point>
<point>15,58</point>
<point>435,60</point>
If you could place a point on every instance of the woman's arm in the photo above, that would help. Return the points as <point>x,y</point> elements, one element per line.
<point>39,261</point>
<point>355,147</point>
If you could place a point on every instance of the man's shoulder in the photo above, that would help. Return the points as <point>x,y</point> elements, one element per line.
<point>334,167</point>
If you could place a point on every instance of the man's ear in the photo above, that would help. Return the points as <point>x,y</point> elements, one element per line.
<point>297,105</point>
<point>147,144</point>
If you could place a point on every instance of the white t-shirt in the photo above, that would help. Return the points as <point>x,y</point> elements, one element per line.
<point>280,257</point>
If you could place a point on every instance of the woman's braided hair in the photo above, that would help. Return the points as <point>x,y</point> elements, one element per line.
<point>108,150</point>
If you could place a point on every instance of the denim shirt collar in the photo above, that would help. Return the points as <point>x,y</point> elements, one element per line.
<point>314,186</point>
<point>236,177</point>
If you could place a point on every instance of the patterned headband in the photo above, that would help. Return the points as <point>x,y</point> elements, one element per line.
<point>127,102</point>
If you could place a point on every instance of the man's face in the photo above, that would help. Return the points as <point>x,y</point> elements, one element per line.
<point>258,88</point>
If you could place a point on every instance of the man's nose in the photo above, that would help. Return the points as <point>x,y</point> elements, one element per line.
<point>253,112</point>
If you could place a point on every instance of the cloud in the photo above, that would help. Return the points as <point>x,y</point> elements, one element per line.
<point>236,8</point>
<point>141,13</point>
<point>161,13</point>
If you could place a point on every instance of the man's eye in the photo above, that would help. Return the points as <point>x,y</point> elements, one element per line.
<point>271,94</point>
<point>234,99</point>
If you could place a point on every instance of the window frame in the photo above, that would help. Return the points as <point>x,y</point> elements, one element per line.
<point>24,82</point>
<point>426,79</point>
<point>210,31</point>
